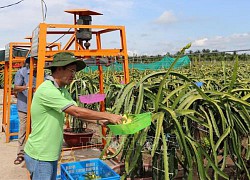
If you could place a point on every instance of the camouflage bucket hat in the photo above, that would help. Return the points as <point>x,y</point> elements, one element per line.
<point>65,58</point>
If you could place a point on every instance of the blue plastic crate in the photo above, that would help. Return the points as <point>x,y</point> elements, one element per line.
<point>58,177</point>
<point>14,126</point>
<point>13,131</point>
<point>13,137</point>
<point>14,122</point>
<point>77,170</point>
<point>13,110</point>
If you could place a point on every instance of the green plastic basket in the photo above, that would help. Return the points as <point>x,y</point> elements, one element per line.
<point>139,122</point>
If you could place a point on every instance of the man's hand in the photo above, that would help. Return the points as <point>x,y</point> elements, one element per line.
<point>115,119</point>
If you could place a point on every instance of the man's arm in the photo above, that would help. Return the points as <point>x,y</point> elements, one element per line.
<point>93,121</point>
<point>90,115</point>
<point>20,88</point>
<point>19,84</point>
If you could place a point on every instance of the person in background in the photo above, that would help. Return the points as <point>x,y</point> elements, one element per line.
<point>49,104</point>
<point>21,89</point>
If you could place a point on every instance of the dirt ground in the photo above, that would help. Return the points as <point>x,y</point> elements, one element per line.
<point>8,152</point>
<point>8,170</point>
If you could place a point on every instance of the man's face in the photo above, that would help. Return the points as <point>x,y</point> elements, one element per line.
<point>68,74</point>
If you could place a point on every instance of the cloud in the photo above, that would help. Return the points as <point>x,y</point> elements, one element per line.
<point>232,42</point>
<point>20,20</point>
<point>200,42</point>
<point>144,35</point>
<point>166,17</point>
<point>144,22</point>
<point>132,52</point>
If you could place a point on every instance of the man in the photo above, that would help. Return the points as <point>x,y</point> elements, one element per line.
<point>21,88</point>
<point>50,103</point>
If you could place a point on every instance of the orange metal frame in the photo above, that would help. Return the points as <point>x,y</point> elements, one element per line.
<point>8,70</point>
<point>39,47</point>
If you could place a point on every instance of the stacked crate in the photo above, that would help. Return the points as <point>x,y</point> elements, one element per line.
<point>14,121</point>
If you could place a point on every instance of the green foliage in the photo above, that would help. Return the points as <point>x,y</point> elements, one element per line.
<point>206,120</point>
<point>192,124</point>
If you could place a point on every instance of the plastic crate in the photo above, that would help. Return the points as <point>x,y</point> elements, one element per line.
<point>58,177</point>
<point>13,110</point>
<point>14,126</point>
<point>78,170</point>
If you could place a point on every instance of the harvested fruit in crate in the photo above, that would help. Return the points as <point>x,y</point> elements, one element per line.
<point>91,175</point>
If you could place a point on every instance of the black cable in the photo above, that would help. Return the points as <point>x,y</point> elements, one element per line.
<point>57,39</point>
<point>45,13</point>
<point>11,4</point>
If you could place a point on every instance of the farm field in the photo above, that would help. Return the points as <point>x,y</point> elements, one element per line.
<point>159,112</point>
<point>201,111</point>
<point>200,116</point>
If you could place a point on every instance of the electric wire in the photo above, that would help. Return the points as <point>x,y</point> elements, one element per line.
<point>1,7</point>
<point>42,10</point>
<point>57,39</point>
<point>44,13</point>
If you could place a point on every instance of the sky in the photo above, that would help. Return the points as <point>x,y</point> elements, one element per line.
<point>153,27</point>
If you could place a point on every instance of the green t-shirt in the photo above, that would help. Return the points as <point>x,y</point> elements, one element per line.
<point>47,119</point>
